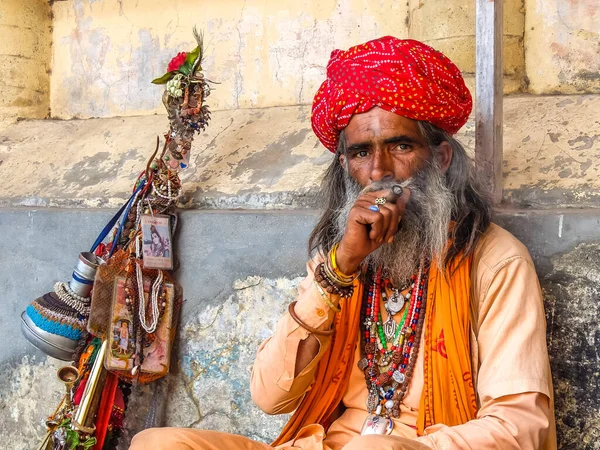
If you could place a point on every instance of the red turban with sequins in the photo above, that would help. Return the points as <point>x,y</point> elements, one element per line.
<point>405,77</point>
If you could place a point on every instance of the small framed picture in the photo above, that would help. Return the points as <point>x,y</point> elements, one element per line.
<point>122,340</point>
<point>157,247</point>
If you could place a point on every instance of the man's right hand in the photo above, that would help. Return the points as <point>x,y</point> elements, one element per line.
<point>367,230</point>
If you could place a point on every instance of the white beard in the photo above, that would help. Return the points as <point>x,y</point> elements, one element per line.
<point>423,231</point>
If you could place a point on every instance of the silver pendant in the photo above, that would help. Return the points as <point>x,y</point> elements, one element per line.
<point>398,377</point>
<point>363,363</point>
<point>384,361</point>
<point>395,303</point>
<point>375,424</point>
<point>372,401</point>
<point>389,327</point>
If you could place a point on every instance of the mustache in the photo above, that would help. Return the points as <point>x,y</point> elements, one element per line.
<point>384,185</point>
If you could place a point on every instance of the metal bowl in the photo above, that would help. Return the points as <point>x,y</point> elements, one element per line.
<point>58,347</point>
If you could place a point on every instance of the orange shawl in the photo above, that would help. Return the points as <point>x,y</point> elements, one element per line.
<point>448,397</point>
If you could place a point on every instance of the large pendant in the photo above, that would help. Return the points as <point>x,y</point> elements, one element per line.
<point>395,303</point>
<point>389,327</point>
<point>375,424</point>
<point>384,361</point>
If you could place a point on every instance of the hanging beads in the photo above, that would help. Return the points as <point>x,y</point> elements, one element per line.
<point>388,365</point>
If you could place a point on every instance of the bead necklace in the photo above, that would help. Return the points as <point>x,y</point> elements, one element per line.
<point>146,311</point>
<point>148,326</point>
<point>387,377</point>
<point>397,334</point>
<point>165,192</point>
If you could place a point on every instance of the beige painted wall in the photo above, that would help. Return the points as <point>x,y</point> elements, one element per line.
<point>563,46</point>
<point>449,26</point>
<point>263,53</point>
<point>25,51</point>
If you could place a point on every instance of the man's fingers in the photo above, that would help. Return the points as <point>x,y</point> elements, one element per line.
<point>394,219</point>
<point>383,213</point>
<point>383,219</point>
<point>366,216</point>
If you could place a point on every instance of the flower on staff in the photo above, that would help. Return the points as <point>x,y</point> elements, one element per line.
<point>177,62</point>
<point>184,63</point>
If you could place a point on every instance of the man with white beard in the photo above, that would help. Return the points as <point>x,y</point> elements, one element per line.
<point>420,324</point>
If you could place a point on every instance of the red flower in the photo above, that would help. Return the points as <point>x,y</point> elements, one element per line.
<point>177,62</point>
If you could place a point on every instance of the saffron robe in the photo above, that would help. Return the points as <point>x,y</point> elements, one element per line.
<point>510,369</point>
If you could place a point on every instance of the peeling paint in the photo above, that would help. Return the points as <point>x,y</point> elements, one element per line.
<point>269,158</point>
<point>558,154</point>
<point>218,348</point>
<point>562,41</point>
<point>24,383</point>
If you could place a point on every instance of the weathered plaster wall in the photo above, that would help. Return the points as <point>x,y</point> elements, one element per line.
<point>551,151</point>
<point>25,51</point>
<point>562,46</point>
<point>270,159</point>
<point>262,53</point>
<point>449,26</point>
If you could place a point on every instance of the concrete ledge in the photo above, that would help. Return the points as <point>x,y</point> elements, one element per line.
<point>270,159</point>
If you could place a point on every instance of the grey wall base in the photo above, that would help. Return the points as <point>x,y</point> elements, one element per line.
<point>239,270</point>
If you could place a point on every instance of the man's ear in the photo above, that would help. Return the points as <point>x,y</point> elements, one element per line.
<point>444,155</point>
<point>342,161</point>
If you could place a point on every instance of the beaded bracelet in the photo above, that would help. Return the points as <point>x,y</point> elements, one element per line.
<point>326,299</point>
<point>307,327</point>
<point>329,285</point>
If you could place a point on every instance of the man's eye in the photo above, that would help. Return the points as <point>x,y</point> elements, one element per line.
<point>361,154</point>
<point>403,147</point>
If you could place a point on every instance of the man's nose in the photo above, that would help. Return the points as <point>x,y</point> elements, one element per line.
<point>381,167</point>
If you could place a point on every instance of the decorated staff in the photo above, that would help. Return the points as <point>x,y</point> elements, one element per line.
<point>116,319</point>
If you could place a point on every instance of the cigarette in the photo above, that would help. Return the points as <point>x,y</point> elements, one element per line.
<point>395,193</point>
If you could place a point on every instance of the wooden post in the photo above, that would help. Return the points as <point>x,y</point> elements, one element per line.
<point>488,94</point>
